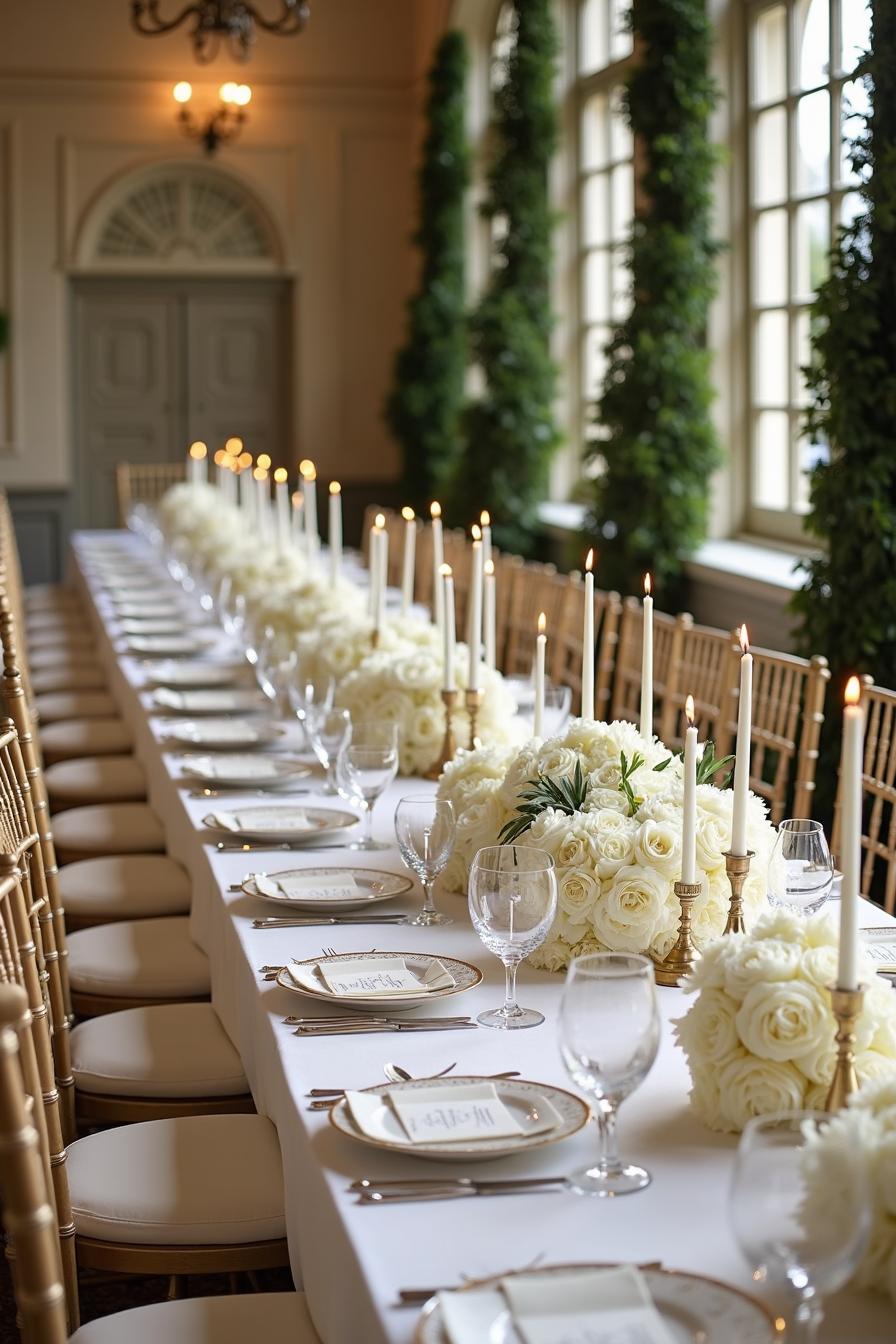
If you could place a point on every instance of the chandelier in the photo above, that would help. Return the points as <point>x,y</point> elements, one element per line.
<point>212,22</point>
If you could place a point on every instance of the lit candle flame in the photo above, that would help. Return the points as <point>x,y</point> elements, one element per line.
<point>281,475</point>
<point>198,451</point>
<point>489,567</point>
<point>379,522</point>
<point>589,561</point>
<point>542,622</point>
<point>220,458</point>
<point>647,585</point>
<point>435,509</point>
<point>853,692</point>
<point>245,460</point>
<point>264,461</point>
<point>485,518</point>
<point>477,532</point>
<point>407,514</point>
<point>259,474</point>
<point>234,446</point>
<point>689,710</point>
<point>445,571</point>
<point>297,499</point>
<point>744,638</point>
<point>308,469</point>
<point>335,488</point>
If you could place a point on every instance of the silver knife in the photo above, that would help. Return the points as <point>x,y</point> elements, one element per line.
<point>370,1030</point>
<point>332,920</point>
<point>418,1193</point>
<point>238,847</point>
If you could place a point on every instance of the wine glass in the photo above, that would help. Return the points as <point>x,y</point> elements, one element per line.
<point>309,692</point>
<point>801,870</point>
<point>328,731</point>
<point>557,706</point>
<point>609,1037</point>
<point>789,1243</point>
<point>274,667</point>
<point>424,828</point>
<point>513,900</point>
<point>365,767</point>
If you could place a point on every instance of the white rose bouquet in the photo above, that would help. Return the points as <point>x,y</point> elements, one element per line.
<point>759,1037</point>
<point>606,803</point>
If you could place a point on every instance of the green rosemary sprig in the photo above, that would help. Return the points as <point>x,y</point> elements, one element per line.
<point>566,794</point>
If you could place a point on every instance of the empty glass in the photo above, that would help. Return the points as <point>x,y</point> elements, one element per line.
<point>557,704</point>
<point>424,828</point>
<point>274,668</point>
<point>609,1036</point>
<point>308,693</point>
<point>365,767</point>
<point>801,870</point>
<point>788,1242</point>
<point>328,731</point>
<point>513,899</point>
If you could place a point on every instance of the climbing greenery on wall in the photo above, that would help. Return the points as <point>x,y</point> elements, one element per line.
<point>510,433</point>
<point>425,404</point>
<point>655,446</point>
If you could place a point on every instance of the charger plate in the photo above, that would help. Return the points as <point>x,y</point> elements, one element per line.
<point>242,770</point>
<point>184,676</point>
<point>324,821</point>
<point>373,886</point>
<point>464,974</point>
<point>221,734</point>
<point>692,1306</point>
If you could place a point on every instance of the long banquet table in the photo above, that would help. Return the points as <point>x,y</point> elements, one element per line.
<point>351,1260</point>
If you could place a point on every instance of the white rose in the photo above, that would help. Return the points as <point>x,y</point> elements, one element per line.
<point>760,962</point>
<point>455,874</point>
<point>418,671</point>
<point>712,839</point>
<point>658,845</point>
<point>708,1031</point>
<point>557,761</point>
<point>784,1020</point>
<point>632,909</point>
<point>611,799</point>
<point>574,849</point>
<point>613,847</point>
<point>750,1087</point>
<point>705,1095</point>
<point>577,892</point>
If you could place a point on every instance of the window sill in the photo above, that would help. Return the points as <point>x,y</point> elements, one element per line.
<point>749,565</point>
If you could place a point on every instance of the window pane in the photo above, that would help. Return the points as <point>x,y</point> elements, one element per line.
<point>811,245</point>
<point>596,279</point>
<point>622,185</point>
<point>621,146</point>
<point>595,132</point>
<point>854,106</point>
<point>593,46</point>
<point>770,258</point>
<point>855,31</point>
<point>813,141</point>
<point>852,205</point>
<point>770,359</point>
<point>812,42</point>
<point>594,361</point>
<point>769,55</point>
<point>803,356</point>
<point>771,462</point>
<point>770,157</point>
<point>809,454</point>
<point>595,210</point>
<point>502,46</point>
<point>620,36</point>
<point>620,285</point>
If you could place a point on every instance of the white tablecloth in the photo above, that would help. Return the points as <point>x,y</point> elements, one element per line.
<point>351,1260</point>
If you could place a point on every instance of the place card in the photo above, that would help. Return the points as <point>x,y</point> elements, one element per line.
<point>880,948</point>
<point>162,644</point>
<point>199,702</point>
<point>454,1114</point>
<point>341,887</point>
<point>368,976</point>
<point>600,1306</point>
<point>226,767</point>
<point>261,820</point>
<point>139,625</point>
<point>214,731</point>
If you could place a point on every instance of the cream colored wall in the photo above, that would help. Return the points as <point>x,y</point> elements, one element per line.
<point>328,148</point>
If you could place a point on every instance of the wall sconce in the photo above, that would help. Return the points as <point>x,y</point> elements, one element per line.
<point>224,124</point>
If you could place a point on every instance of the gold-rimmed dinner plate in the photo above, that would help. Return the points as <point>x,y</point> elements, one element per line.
<point>166,646</point>
<point>463,973</point>
<point>692,1307</point>
<point>521,1096</point>
<point>175,624</point>
<point>372,887</point>
<point>290,822</point>
<point>186,676</point>
<point>242,769</point>
<point>211,700</point>
<point>221,734</point>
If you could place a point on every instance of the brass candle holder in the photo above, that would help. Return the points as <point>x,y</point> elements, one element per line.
<point>679,960</point>
<point>473,702</point>
<point>737,866</point>
<point>375,638</point>
<point>449,745</point>
<point>847,1005</point>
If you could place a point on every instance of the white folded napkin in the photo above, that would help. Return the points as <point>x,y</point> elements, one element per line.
<point>216,730</point>
<point>229,767</point>
<point>140,625</point>
<point>259,819</point>
<point>162,644</point>
<point>196,702</point>
<point>600,1306</point>
<point>341,887</point>
<point>368,977</point>
<point>443,1114</point>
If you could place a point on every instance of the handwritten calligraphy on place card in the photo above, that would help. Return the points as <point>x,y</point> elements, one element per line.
<point>370,977</point>
<point>611,1306</point>
<point>444,1115</point>
<point>341,887</point>
<point>260,820</point>
<point>880,947</point>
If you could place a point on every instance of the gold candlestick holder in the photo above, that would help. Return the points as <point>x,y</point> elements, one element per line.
<point>375,638</point>
<point>473,702</point>
<point>737,866</point>
<point>679,960</point>
<point>449,745</point>
<point>847,1005</point>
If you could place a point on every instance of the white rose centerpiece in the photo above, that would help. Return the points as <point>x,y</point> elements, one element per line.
<point>759,1036</point>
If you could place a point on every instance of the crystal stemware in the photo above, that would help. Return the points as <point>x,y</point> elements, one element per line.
<point>801,870</point>
<point>365,767</point>
<point>328,731</point>
<point>790,1243</point>
<point>609,1036</point>
<point>274,668</point>
<point>310,692</point>
<point>424,828</point>
<point>513,899</point>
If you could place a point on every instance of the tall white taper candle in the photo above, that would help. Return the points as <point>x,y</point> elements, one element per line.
<point>474,624</point>
<point>485,522</point>
<point>588,640</point>
<point>445,580</point>
<point>488,613</point>
<point>742,758</point>
<point>851,834</point>
<point>335,530</point>
<point>309,489</point>
<point>438,560</point>
<point>197,463</point>
<point>541,643</point>
<point>281,505</point>
<point>408,559</point>
<point>689,809</point>
<point>647,663</point>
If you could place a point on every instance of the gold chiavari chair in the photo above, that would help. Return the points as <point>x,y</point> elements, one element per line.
<point>668,632</point>
<point>42,1247</point>
<point>533,588</point>
<point>702,666</point>
<point>878,878</point>
<point>507,569</point>
<point>566,644</point>
<point>144,483</point>
<point>788,711</point>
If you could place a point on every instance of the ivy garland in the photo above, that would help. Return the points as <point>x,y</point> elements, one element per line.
<point>656,446</point>
<point>510,433</point>
<point>425,404</point>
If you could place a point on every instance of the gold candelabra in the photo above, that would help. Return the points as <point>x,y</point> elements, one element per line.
<point>449,746</point>
<point>679,960</point>
<point>847,1005</point>
<point>737,866</point>
<point>473,701</point>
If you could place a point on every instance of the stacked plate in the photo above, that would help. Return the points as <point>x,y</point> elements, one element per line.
<point>326,890</point>
<point>242,770</point>
<point>295,825</point>
<point>221,734</point>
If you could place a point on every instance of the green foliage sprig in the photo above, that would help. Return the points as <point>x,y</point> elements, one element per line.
<point>510,433</point>
<point>566,794</point>
<point>657,447</point>
<point>424,407</point>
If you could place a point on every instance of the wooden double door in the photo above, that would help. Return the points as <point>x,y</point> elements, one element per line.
<point>159,363</point>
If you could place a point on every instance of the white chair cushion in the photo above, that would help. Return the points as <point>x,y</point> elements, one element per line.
<point>49,594</point>
<point>140,959</point>
<point>166,1050</point>
<point>109,828</point>
<point>69,677</point>
<point>58,620</point>
<point>96,779</point>
<point>74,705</point>
<point>266,1318</point>
<point>61,657</point>
<point>77,640</point>
<point>199,1180</point>
<point>124,886</point>
<point>84,737</point>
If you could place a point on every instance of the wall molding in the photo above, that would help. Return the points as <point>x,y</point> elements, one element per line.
<point>42,520</point>
<point>11,401</point>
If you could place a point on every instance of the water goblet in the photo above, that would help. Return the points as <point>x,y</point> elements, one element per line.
<point>513,900</point>
<point>609,1036</point>
<point>424,828</point>
<point>309,692</point>
<point>790,1243</point>
<point>365,767</point>
<point>274,668</point>
<point>801,870</point>
<point>557,706</point>
<point>328,731</point>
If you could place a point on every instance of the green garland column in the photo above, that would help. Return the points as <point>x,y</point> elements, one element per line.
<point>425,405</point>
<point>657,447</point>
<point>510,433</point>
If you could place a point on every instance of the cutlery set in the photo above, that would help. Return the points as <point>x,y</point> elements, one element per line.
<point>416,1190</point>
<point>254,846</point>
<point>299,921</point>
<point>356,1025</point>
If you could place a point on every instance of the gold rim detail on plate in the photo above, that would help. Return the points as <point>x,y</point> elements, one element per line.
<point>299,902</point>
<point>451,964</point>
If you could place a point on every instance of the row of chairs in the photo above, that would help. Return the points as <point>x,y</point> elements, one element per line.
<point>136,1107</point>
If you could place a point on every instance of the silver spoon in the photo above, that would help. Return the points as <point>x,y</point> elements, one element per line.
<point>396,1074</point>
